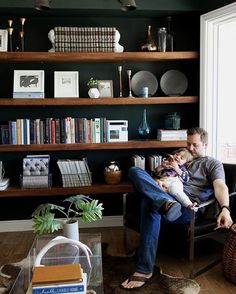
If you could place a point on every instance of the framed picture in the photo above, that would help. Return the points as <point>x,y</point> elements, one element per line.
<point>28,81</point>
<point>105,88</point>
<point>66,84</point>
<point>3,40</point>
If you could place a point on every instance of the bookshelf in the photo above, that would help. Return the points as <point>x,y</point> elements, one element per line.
<point>131,145</point>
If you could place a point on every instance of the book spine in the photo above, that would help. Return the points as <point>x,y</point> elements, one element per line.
<point>58,130</point>
<point>76,289</point>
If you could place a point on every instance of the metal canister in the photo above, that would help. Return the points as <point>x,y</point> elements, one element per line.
<point>144,92</point>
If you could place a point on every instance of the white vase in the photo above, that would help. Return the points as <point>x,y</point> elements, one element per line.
<point>93,93</point>
<point>71,230</point>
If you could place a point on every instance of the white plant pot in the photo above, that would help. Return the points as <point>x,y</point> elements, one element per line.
<point>71,230</point>
<point>93,93</point>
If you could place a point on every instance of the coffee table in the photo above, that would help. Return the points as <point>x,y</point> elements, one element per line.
<point>63,254</point>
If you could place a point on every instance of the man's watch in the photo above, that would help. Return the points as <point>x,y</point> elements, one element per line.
<point>225,206</point>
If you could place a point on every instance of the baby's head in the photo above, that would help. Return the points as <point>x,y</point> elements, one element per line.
<point>182,156</point>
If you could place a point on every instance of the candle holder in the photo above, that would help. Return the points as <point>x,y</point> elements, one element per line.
<point>10,31</point>
<point>129,80</point>
<point>22,34</point>
<point>120,80</point>
<point>22,41</point>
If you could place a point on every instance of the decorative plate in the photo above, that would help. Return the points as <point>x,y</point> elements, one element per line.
<point>174,83</point>
<point>142,79</point>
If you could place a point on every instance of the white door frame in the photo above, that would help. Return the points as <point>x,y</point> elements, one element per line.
<point>209,60</point>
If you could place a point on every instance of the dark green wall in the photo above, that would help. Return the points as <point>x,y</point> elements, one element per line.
<point>132,26</point>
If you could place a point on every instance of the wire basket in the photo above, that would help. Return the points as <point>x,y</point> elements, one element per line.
<point>229,256</point>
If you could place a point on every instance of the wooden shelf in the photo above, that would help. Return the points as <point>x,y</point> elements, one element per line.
<point>133,144</point>
<point>95,57</point>
<point>97,102</point>
<point>98,188</point>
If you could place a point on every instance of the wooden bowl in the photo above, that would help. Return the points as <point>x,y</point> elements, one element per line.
<point>112,178</point>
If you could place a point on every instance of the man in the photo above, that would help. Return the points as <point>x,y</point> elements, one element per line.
<point>206,177</point>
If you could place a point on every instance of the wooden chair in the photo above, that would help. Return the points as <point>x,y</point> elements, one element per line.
<point>198,229</point>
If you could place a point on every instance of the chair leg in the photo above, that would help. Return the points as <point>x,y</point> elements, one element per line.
<point>194,274</point>
<point>191,245</point>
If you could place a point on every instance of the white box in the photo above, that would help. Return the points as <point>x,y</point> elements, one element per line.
<point>117,130</point>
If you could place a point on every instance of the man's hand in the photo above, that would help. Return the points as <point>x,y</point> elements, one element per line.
<point>224,220</point>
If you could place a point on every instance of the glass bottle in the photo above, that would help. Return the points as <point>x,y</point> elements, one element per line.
<point>162,32</point>
<point>169,35</point>
<point>144,129</point>
<point>149,44</point>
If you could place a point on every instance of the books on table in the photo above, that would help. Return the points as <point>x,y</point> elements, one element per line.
<point>67,278</point>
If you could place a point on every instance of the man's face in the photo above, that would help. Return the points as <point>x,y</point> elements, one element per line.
<point>196,146</point>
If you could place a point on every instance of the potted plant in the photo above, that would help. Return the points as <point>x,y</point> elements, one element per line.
<point>44,221</point>
<point>93,88</point>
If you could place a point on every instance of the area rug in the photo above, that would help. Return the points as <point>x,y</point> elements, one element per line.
<point>115,269</point>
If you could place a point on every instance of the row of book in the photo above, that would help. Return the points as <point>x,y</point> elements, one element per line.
<point>54,131</point>
<point>75,173</point>
<point>85,39</point>
<point>154,160</point>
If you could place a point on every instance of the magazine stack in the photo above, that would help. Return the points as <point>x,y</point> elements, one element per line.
<point>74,172</point>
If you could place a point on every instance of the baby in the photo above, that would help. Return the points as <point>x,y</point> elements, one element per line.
<point>171,175</point>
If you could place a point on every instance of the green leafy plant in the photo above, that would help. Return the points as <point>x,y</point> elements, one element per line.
<point>44,221</point>
<point>92,83</point>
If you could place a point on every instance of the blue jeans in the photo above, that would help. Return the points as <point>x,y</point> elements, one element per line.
<point>153,197</point>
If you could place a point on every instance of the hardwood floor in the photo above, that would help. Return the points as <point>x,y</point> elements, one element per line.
<point>15,245</point>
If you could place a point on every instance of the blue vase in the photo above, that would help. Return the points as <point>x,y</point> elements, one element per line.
<point>144,129</point>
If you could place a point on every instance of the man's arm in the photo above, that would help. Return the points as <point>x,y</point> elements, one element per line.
<point>222,195</point>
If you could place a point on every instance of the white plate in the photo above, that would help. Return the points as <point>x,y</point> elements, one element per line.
<point>174,83</point>
<point>142,79</point>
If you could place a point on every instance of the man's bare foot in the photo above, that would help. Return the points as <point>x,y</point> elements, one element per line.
<point>137,280</point>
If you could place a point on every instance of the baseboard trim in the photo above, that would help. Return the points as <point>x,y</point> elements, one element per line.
<point>26,225</point>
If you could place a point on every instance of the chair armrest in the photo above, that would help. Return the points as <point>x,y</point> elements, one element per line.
<point>206,203</point>
<point>232,194</point>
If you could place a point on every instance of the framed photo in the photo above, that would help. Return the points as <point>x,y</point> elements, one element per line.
<point>105,88</point>
<point>28,81</point>
<point>66,84</point>
<point>3,40</point>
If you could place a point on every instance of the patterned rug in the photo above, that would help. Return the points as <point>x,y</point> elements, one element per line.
<point>115,269</point>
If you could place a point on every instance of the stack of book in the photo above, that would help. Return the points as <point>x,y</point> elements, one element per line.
<point>67,278</point>
<point>171,135</point>
<point>36,171</point>
<point>75,173</point>
<point>4,183</point>
<point>85,39</point>
<point>138,161</point>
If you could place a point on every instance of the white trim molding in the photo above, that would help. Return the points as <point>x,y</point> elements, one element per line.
<point>209,70</point>
<point>26,225</point>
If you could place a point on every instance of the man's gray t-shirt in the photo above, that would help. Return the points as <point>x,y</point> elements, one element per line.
<point>203,171</point>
